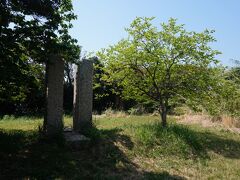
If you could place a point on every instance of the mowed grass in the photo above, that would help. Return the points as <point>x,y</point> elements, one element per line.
<point>131,147</point>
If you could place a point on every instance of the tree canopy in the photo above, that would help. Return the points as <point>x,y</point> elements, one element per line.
<point>163,66</point>
<point>29,32</point>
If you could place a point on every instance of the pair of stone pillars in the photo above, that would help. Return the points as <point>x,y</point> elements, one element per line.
<point>82,112</point>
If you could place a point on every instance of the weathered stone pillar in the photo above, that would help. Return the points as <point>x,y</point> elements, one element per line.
<point>54,96</point>
<point>83,93</point>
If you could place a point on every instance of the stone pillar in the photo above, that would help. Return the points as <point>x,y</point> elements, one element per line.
<point>83,94</point>
<point>54,96</point>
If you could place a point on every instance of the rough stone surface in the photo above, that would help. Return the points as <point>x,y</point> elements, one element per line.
<point>83,93</point>
<point>74,137</point>
<point>76,140</point>
<point>54,95</point>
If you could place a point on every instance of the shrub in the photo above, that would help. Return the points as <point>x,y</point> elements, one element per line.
<point>181,110</point>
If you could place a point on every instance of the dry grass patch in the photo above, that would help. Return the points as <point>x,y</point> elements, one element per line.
<point>224,121</point>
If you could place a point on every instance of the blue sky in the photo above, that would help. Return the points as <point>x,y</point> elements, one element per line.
<point>101,23</point>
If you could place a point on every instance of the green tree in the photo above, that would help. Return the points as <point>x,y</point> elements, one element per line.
<point>29,32</point>
<point>162,66</point>
<point>230,91</point>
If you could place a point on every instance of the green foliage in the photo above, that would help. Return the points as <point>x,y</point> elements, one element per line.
<point>21,88</point>
<point>224,98</point>
<point>7,117</point>
<point>136,111</point>
<point>141,108</point>
<point>30,31</point>
<point>161,66</point>
<point>35,30</point>
<point>103,96</point>
<point>181,110</point>
<point>232,95</point>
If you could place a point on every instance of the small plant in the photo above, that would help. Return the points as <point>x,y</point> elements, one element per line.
<point>138,110</point>
<point>8,117</point>
<point>93,133</point>
<point>109,112</point>
<point>181,110</point>
<point>113,113</point>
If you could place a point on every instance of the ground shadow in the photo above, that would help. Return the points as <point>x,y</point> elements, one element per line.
<point>24,155</point>
<point>206,141</point>
<point>228,148</point>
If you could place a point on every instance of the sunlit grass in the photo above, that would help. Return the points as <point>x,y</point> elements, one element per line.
<point>32,123</point>
<point>123,147</point>
<point>20,123</point>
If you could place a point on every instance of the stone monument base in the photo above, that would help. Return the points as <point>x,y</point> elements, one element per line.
<point>76,140</point>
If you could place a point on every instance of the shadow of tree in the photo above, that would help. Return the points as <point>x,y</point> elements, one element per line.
<point>225,147</point>
<point>23,156</point>
<point>203,142</point>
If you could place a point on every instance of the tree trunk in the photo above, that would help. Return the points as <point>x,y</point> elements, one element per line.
<point>163,112</point>
<point>119,103</point>
<point>164,118</point>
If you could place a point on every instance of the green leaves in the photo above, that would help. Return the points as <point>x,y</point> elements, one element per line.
<point>29,32</point>
<point>165,65</point>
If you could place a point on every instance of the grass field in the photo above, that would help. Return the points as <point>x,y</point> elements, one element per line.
<point>134,147</point>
